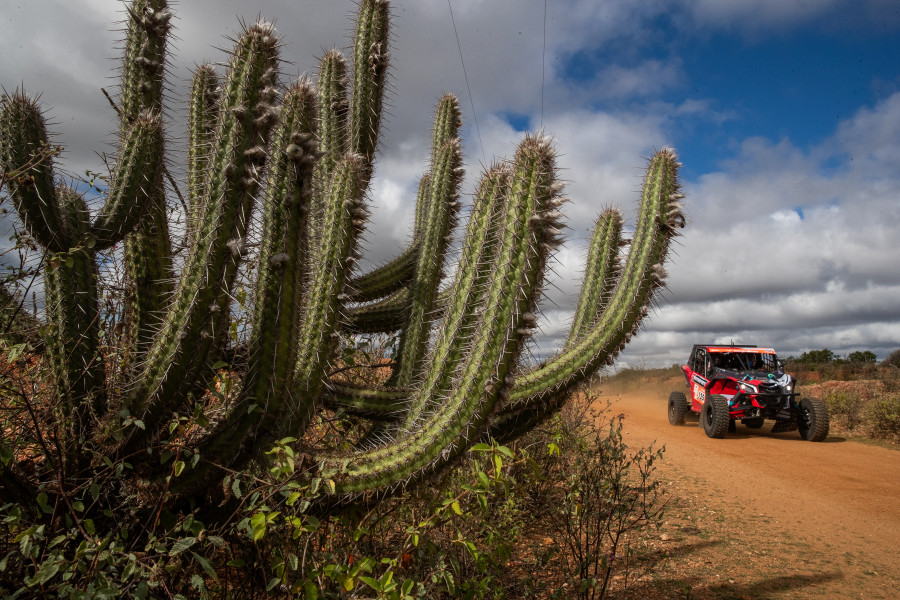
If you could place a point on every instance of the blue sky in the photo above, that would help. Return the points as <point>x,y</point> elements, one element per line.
<point>795,83</point>
<point>785,113</point>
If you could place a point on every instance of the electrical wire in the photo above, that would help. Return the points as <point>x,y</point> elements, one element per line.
<point>471,101</point>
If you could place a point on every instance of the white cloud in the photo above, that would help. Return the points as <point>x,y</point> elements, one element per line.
<point>790,248</point>
<point>758,13</point>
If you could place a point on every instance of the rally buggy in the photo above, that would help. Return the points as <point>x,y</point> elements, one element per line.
<point>746,383</point>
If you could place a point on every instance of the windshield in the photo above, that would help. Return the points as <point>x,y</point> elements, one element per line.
<point>745,361</point>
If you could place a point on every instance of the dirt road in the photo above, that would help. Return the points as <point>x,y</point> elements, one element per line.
<point>763,515</point>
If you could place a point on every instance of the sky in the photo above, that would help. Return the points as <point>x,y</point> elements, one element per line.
<point>785,114</point>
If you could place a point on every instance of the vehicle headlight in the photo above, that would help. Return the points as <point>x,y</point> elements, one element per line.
<point>789,387</point>
<point>747,388</point>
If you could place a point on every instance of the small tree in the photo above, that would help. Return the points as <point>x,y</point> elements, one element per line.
<point>862,356</point>
<point>817,356</point>
<point>893,359</point>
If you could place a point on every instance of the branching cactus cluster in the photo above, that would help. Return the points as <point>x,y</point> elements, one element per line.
<point>303,158</point>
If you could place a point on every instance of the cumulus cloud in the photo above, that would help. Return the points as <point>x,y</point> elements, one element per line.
<point>791,248</point>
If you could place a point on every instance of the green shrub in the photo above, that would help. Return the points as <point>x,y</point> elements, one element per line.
<point>598,496</point>
<point>844,408</point>
<point>883,417</point>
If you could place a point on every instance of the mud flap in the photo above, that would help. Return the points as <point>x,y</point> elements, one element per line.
<point>781,426</point>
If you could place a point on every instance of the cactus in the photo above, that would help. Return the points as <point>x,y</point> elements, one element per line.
<point>308,159</point>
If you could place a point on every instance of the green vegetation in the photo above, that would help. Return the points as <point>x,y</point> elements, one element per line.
<point>166,421</point>
<point>870,408</point>
<point>826,356</point>
<point>816,356</point>
<point>864,356</point>
<point>893,359</point>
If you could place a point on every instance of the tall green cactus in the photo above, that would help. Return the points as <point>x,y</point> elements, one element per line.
<point>58,219</point>
<point>308,159</point>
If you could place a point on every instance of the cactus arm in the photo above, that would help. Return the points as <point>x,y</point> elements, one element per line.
<point>447,121</point>
<point>285,211</point>
<point>331,129</point>
<point>145,58</point>
<point>459,320</point>
<point>133,181</point>
<point>148,265</point>
<point>370,62</point>
<point>272,344</point>
<point>386,279</point>
<point>436,211</point>
<point>482,377</point>
<point>374,403</point>
<point>352,126</point>
<point>601,273</point>
<point>397,273</point>
<point>26,162</point>
<point>385,315</point>
<point>443,207</point>
<point>343,220</point>
<point>332,125</point>
<point>200,306</point>
<point>423,194</point>
<point>73,339</point>
<point>643,274</point>
<point>202,110</point>
<point>202,105</point>
<point>148,250</point>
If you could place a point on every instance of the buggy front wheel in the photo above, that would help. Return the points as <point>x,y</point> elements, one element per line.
<point>715,416</point>
<point>813,420</point>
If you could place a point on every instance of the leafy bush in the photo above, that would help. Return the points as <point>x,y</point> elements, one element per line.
<point>610,494</point>
<point>883,417</point>
<point>844,408</point>
<point>456,538</point>
<point>597,496</point>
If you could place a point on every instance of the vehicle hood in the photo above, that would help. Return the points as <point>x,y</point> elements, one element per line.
<point>755,377</point>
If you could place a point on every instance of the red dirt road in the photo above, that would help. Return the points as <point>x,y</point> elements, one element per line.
<point>774,516</point>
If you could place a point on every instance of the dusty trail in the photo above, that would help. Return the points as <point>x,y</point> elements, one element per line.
<point>828,513</point>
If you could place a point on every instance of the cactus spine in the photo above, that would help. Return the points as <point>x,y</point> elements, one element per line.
<point>309,159</point>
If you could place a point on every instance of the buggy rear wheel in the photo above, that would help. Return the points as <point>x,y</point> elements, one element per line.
<point>715,416</point>
<point>813,420</point>
<point>678,407</point>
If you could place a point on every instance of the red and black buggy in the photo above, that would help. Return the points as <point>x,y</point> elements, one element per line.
<point>746,383</point>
